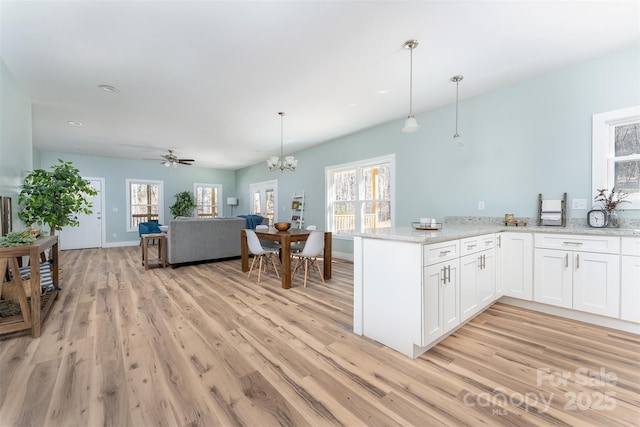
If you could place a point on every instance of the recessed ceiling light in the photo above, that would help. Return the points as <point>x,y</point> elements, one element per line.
<point>108,88</point>
<point>72,123</point>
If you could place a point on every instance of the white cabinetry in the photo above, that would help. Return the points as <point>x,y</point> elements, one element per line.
<point>578,272</point>
<point>441,292</point>
<point>630,279</point>
<point>477,274</point>
<point>514,258</point>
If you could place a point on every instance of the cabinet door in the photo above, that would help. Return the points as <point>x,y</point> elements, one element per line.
<point>432,317</point>
<point>553,277</point>
<point>441,301</point>
<point>630,288</point>
<point>486,278</point>
<point>451,297</point>
<point>469,305</point>
<point>596,283</point>
<point>517,265</point>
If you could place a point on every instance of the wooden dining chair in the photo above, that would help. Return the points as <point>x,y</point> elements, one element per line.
<point>313,248</point>
<point>260,254</point>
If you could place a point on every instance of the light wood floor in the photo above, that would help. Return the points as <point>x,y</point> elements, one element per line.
<point>202,345</point>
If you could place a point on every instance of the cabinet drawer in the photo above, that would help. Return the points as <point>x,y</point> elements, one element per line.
<point>602,244</point>
<point>471,245</point>
<point>438,252</point>
<point>631,246</point>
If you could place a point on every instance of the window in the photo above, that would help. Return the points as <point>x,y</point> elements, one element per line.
<point>144,202</point>
<point>208,200</point>
<point>360,195</point>
<point>616,153</point>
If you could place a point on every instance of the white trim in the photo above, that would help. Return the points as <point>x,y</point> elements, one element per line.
<point>602,150</point>
<point>103,216</point>
<point>219,206</point>
<point>263,186</point>
<point>128,182</point>
<point>358,165</point>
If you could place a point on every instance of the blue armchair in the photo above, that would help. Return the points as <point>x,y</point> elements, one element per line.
<point>148,228</point>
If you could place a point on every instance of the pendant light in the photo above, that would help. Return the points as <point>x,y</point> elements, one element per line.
<point>410,125</point>
<point>457,141</point>
<point>282,163</point>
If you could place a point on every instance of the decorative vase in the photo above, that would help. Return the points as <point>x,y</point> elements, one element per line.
<point>614,221</point>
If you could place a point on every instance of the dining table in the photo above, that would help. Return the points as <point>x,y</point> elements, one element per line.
<point>285,238</point>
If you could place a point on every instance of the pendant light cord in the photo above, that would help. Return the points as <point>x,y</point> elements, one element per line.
<point>411,82</point>
<point>457,85</point>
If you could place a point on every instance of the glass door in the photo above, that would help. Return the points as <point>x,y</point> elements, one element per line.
<point>264,199</point>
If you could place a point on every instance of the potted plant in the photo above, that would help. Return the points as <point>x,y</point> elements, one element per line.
<point>55,197</point>
<point>184,205</point>
<point>610,202</point>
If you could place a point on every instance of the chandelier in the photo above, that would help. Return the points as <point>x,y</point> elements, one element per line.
<point>282,162</point>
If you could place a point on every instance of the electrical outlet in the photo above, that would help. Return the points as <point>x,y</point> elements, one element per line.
<point>578,203</point>
<point>481,205</point>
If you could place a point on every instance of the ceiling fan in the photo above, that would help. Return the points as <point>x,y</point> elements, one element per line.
<point>173,160</point>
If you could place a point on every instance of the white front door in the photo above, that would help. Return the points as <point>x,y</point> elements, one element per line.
<point>264,199</point>
<point>89,233</point>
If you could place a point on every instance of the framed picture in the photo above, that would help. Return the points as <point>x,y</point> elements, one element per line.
<point>295,218</point>
<point>295,204</point>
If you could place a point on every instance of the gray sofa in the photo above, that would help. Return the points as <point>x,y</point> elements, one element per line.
<point>203,239</point>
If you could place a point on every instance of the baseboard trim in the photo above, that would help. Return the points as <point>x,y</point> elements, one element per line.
<point>594,319</point>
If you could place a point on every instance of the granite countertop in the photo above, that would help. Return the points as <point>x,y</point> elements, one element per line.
<point>461,231</point>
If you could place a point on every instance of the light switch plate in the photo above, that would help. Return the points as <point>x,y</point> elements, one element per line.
<point>578,204</point>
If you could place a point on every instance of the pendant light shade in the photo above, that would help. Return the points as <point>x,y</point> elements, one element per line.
<point>410,125</point>
<point>457,140</point>
<point>281,163</point>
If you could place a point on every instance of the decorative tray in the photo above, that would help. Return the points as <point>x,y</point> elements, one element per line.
<point>418,226</point>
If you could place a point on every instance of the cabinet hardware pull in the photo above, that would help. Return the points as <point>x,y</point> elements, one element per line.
<point>448,274</point>
<point>499,241</point>
<point>488,242</point>
<point>443,253</point>
<point>572,243</point>
<point>471,246</point>
<point>484,262</point>
<point>566,260</point>
<point>444,275</point>
<point>577,261</point>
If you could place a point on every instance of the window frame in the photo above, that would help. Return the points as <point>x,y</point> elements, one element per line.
<point>603,151</point>
<point>219,206</point>
<point>359,166</point>
<point>160,185</point>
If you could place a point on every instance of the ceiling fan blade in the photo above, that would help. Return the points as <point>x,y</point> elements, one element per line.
<point>186,160</point>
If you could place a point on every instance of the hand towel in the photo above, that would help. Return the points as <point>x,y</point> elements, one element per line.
<point>551,205</point>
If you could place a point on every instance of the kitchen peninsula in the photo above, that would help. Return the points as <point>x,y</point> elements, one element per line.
<point>413,288</point>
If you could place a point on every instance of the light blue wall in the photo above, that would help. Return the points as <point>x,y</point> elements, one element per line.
<point>15,138</point>
<point>529,138</point>
<point>117,171</point>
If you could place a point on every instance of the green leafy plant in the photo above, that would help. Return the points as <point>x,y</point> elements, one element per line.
<point>184,205</point>
<point>55,197</point>
<point>17,238</point>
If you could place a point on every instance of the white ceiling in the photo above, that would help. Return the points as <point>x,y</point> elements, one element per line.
<point>207,78</point>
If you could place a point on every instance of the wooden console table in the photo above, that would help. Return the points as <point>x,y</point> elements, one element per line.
<point>30,317</point>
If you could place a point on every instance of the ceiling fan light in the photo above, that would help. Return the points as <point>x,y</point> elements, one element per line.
<point>166,164</point>
<point>410,125</point>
